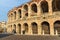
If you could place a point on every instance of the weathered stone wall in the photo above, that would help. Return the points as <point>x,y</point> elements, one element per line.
<point>38,18</point>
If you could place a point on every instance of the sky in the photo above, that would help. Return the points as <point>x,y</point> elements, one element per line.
<point>6,5</point>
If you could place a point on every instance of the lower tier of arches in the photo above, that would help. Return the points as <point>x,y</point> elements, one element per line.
<point>34,28</point>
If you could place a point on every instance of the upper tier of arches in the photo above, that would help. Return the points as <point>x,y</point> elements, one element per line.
<point>34,8</point>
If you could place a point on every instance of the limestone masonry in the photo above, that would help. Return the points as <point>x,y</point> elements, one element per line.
<point>37,17</point>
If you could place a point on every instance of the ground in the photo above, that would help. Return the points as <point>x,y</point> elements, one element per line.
<point>28,37</point>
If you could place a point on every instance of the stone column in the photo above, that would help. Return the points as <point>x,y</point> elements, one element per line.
<point>22,12</point>
<point>30,29</point>
<point>10,19</point>
<point>13,28</point>
<point>17,29</point>
<point>8,29</point>
<point>29,11</point>
<point>22,28</point>
<point>43,32</point>
<point>39,29</point>
<point>38,10</point>
<point>13,16</point>
<point>51,29</point>
<point>56,32</point>
<point>17,15</point>
<point>50,7</point>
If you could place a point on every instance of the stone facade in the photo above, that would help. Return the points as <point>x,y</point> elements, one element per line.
<point>38,17</point>
<point>3,27</point>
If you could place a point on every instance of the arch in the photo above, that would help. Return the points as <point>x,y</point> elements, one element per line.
<point>15,15</point>
<point>25,27</point>
<point>19,28</point>
<point>56,5</point>
<point>14,30</point>
<point>34,28</point>
<point>57,26</point>
<point>19,11</point>
<point>26,7</point>
<point>34,7</point>
<point>46,27</point>
<point>44,6</point>
<point>26,10</point>
<point>11,16</point>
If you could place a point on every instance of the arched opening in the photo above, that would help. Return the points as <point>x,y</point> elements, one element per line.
<point>56,5</point>
<point>26,27</point>
<point>57,27</point>
<point>46,27</point>
<point>44,6</point>
<point>26,10</point>
<point>34,8</point>
<point>15,15</point>
<point>34,28</point>
<point>19,13</point>
<point>26,14</point>
<point>14,30</point>
<point>19,28</point>
<point>26,7</point>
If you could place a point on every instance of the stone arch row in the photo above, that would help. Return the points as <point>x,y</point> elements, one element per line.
<point>34,8</point>
<point>45,28</point>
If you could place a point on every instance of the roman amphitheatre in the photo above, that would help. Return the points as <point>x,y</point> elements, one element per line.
<point>39,19</point>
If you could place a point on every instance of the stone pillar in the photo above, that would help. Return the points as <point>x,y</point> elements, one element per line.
<point>38,10</point>
<point>13,16</point>
<point>29,11</point>
<point>51,29</point>
<point>10,19</point>
<point>56,32</point>
<point>22,12</point>
<point>43,32</point>
<point>30,30</point>
<point>22,28</point>
<point>39,29</point>
<point>8,29</point>
<point>17,15</point>
<point>17,29</point>
<point>50,7</point>
<point>13,28</point>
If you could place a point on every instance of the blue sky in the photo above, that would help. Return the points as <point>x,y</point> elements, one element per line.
<point>6,5</point>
